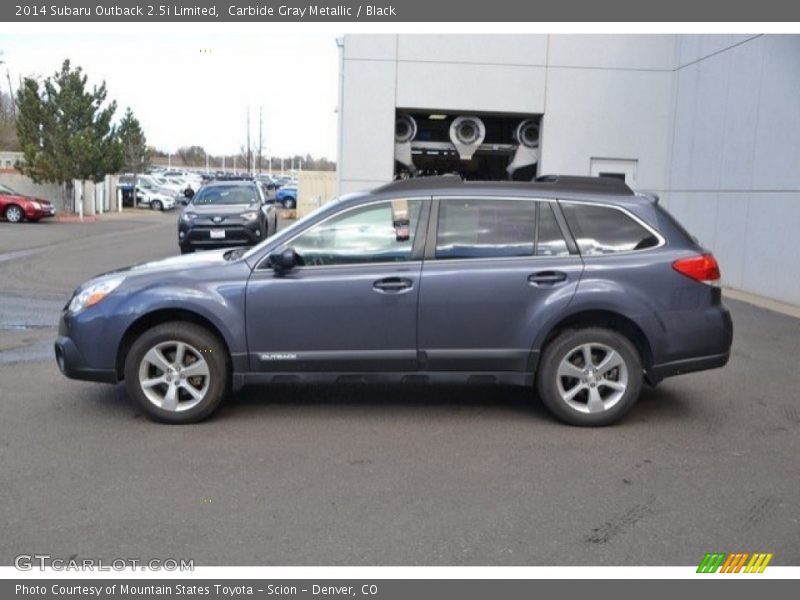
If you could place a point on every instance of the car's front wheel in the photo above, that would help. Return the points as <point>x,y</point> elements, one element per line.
<point>177,372</point>
<point>289,203</point>
<point>590,377</point>
<point>14,214</point>
<point>156,205</point>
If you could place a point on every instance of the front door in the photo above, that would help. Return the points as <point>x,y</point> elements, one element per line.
<point>498,269</point>
<point>351,304</point>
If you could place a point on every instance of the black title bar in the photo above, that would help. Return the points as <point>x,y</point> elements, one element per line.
<point>399,11</point>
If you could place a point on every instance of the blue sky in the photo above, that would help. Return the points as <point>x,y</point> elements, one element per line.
<point>189,89</point>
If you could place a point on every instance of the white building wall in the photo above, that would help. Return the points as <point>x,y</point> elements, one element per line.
<point>601,96</point>
<point>712,121</point>
<point>735,167</point>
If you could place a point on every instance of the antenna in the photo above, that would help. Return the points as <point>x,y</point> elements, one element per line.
<point>260,136</point>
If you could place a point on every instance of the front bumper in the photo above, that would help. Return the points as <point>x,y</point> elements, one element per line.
<point>41,213</point>
<point>72,363</point>
<point>199,236</point>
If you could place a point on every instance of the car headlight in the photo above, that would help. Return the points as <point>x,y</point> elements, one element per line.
<point>36,205</point>
<point>250,216</point>
<point>94,293</point>
<point>188,217</point>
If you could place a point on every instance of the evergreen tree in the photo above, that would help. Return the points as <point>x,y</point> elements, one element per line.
<point>135,152</point>
<point>65,130</point>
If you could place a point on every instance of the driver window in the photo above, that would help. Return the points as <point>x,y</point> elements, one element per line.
<point>382,232</point>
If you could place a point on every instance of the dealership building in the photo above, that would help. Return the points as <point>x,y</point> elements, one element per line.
<point>711,123</point>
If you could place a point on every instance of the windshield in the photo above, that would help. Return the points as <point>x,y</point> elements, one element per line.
<point>226,194</point>
<point>4,189</point>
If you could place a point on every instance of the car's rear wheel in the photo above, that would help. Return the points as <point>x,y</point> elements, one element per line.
<point>289,203</point>
<point>177,372</point>
<point>14,214</point>
<point>156,205</point>
<point>590,377</point>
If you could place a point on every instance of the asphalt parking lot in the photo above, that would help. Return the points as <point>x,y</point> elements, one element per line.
<point>380,475</point>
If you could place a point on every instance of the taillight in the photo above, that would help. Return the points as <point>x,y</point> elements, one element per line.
<point>703,268</point>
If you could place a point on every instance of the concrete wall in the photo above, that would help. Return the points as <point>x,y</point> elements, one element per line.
<point>601,96</point>
<point>735,162</point>
<point>314,189</point>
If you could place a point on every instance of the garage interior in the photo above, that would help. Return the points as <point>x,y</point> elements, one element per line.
<point>476,146</point>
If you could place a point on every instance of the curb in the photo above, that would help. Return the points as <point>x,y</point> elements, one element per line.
<point>75,219</point>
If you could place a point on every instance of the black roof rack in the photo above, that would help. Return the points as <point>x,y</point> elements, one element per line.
<point>608,185</point>
<point>600,185</point>
<point>418,183</point>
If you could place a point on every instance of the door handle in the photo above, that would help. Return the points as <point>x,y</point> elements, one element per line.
<point>392,285</point>
<point>546,278</point>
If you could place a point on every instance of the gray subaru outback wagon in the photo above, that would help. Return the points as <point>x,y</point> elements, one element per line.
<point>575,287</point>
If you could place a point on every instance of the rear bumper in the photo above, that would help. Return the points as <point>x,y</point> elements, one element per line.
<point>689,365</point>
<point>716,337</point>
<point>72,363</point>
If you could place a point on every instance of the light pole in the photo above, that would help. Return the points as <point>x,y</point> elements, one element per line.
<point>10,89</point>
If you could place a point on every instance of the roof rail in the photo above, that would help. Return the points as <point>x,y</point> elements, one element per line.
<point>608,185</point>
<point>600,185</point>
<point>415,183</point>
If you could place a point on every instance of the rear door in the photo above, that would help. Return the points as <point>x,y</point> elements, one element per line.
<point>494,269</point>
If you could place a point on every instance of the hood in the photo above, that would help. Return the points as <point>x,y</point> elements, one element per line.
<point>173,263</point>
<point>221,209</point>
<point>180,262</point>
<point>21,198</point>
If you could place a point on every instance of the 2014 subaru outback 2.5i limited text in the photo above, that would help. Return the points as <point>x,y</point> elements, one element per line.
<point>576,287</point>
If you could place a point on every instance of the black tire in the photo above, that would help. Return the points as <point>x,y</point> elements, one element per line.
<point>289,203</point>
<point>567,346</point>
<point>157,205</point>
<point>186,249</point>
<point>14,213</point>
<point>213,352</point>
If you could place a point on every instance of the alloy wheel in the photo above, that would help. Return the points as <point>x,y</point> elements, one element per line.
<point>592,378</point>
<point>14,214</point>
<point>174,376</point>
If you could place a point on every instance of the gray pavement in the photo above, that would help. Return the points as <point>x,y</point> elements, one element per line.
<point>380,475</point>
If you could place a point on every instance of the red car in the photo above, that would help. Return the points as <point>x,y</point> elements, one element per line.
<point>16,208</point>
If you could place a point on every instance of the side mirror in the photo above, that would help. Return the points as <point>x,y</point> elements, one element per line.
<point>286,260</point>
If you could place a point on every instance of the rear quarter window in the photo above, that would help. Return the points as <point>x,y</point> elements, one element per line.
<point>601,230</point>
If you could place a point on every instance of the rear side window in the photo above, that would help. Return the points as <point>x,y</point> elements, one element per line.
<point>549,239</point>
<point>485,228</point>
<point>605,230</point>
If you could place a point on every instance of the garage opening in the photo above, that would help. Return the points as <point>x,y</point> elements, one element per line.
<point>476,146</point>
